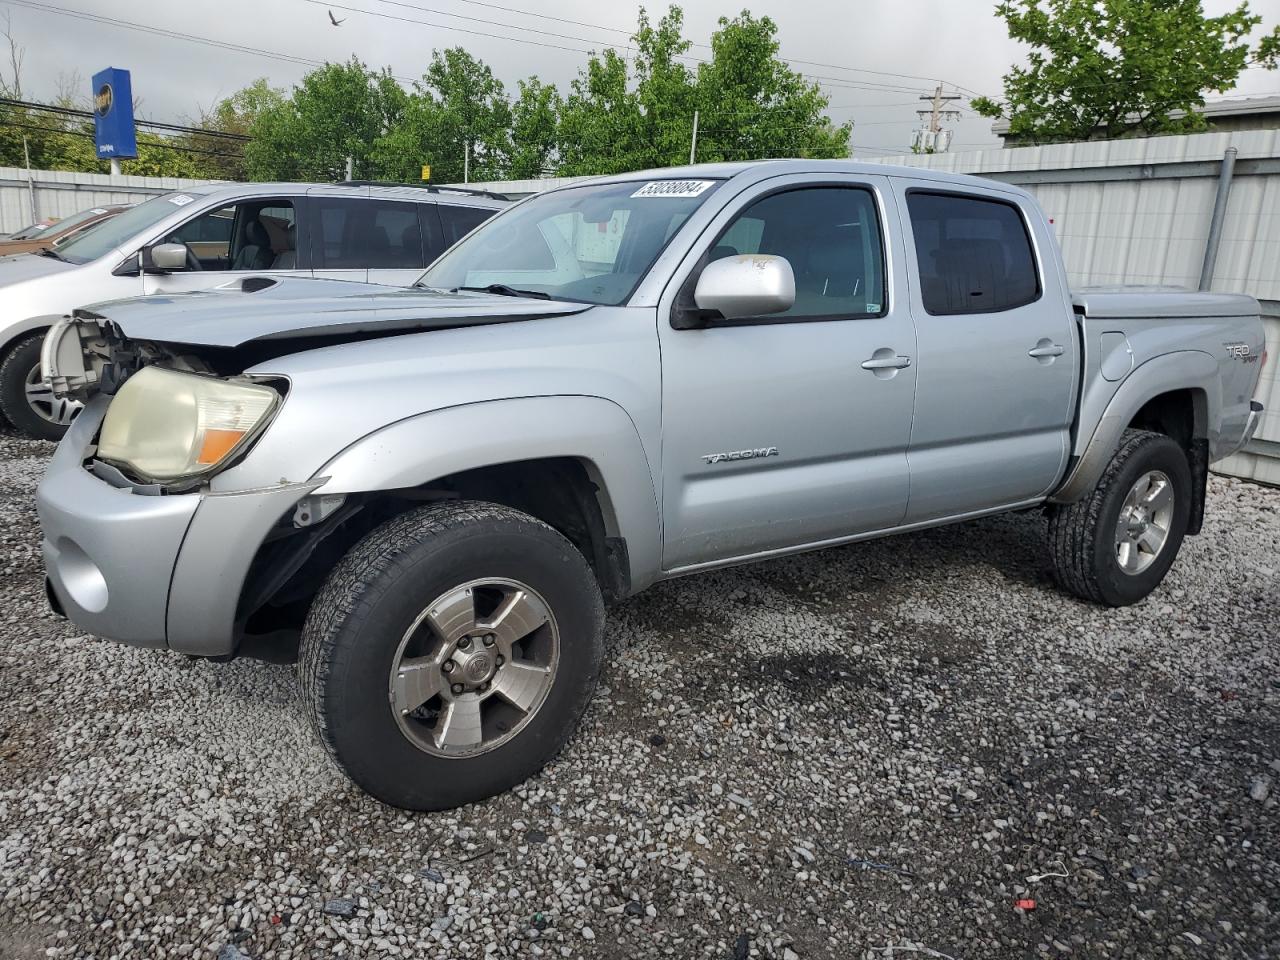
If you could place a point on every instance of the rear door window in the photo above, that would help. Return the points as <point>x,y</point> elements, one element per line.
<point>974,254</point>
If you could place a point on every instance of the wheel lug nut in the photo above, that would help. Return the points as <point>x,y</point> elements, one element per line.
<point>489,638</point>
<point>457,688</point>
<point>484,686</point>
<point>464,643</point>
<point>448,666</point>
<point>500,660</point>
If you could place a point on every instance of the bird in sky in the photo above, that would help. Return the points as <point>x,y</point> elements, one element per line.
<point>335,21</point>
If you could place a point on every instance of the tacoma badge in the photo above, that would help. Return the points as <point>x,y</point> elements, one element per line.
<point>741,454</point>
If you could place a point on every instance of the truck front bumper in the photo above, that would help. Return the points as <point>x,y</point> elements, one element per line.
<point>150,571</point>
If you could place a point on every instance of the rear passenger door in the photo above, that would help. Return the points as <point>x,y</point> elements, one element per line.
<point>996,370</point>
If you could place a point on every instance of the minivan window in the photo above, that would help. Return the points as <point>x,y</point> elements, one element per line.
<point>356,234</point>
<point>458,221</point>
<point>119,230</point>
<point>257,234</point>
<point>974,254</point>
<point>589,243</point>
<point>831,238</point>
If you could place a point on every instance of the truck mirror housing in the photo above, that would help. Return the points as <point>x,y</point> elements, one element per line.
<point>747,285</point>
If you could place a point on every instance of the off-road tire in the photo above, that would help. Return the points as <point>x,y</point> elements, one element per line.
<point>357,620</point>
<point>1082,534</point>
<point>17,364</point>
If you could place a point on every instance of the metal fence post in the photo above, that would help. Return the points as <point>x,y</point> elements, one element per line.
<point>1219,215</point>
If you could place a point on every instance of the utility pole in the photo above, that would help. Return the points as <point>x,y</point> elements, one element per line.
<point>351,165</point>
<point>693,144</point>
<point>31,184</point>
<point>933,138</point>
<point>466,164</point>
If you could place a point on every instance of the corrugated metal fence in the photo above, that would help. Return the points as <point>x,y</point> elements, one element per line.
<point>28,196</point>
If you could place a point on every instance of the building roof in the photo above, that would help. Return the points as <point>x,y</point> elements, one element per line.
<point>1232,107</point>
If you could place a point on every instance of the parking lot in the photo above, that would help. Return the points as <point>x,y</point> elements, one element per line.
<point>864,752</point>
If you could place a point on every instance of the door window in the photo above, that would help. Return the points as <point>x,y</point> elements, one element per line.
<point>253,235</point>
<point>359,234</point>
<point>974,254</point>
<point>831,238</point>
<point>459,221</point>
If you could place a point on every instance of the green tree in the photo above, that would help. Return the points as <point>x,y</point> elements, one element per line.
<point>338,111</point>
<point>750,103</point>
<point>534,132</point>
<point>753,105</point>
<point>600,121</point>
<point>223,157</point>
<point>1104,67</point>
<point>459,105</point>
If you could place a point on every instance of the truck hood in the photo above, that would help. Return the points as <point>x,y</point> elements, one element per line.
<point>267,309</point>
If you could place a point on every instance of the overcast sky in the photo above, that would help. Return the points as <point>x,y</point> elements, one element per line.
<point>959,42</point>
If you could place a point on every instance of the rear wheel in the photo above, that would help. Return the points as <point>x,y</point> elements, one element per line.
<point>26,401</point>
<point>1116,545</point>
<point>451,653</point>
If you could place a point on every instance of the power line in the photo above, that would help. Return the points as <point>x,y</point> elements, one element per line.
<point>88,115</point>
<point>84,133</point>
<point>630,33</point>
<point>847,83</point>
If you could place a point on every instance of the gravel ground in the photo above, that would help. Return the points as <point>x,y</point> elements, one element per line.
<point>866,752</point>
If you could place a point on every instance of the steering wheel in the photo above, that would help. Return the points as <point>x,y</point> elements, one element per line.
<point>193,262</point>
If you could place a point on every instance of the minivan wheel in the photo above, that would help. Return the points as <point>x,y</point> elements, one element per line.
<point>1116,545</point>
<point>450,653</point>
<point>26,401</point>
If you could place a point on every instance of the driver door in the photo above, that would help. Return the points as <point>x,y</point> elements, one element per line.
<point>252,238</point>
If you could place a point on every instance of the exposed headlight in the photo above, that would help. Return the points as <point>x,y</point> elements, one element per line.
<point>165,425</point>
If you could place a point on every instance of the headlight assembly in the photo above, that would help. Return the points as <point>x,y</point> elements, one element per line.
<point>163,425</point>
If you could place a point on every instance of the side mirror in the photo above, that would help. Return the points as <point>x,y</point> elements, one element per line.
<point>165,256</point>
<point>747,285</point>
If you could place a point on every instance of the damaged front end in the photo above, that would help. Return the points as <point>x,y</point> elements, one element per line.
<point>85,354</point>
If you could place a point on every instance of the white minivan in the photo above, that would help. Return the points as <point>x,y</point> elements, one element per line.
<point>208,236</point>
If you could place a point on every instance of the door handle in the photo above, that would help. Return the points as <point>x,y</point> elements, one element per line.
<point>886,363</point>
<point>1046,349</point>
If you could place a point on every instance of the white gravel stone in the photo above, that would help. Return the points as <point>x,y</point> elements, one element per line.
<point>153,806</point>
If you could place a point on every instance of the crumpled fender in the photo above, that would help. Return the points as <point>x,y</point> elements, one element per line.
<point>417,450</point>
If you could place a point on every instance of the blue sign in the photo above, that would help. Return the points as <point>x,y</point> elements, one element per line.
<point>113,132</point>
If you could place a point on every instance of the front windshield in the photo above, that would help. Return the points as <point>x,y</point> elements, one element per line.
<point>106,236</point>
<point>591,243</point>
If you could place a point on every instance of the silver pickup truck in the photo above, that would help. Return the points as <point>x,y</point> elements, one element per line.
<point>431,491</point>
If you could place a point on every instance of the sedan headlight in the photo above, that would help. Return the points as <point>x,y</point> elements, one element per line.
<point>164,425</point>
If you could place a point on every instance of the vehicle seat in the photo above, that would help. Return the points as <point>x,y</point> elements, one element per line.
<point>256,253</point>
<point>288,259</point>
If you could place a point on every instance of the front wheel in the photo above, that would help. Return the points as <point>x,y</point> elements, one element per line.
<point>1116,544</point>
<point>26,401</point>
<point>451,652</point>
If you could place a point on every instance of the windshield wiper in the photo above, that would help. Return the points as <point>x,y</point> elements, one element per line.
<point>50,252</point>
<point>502,290</point>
